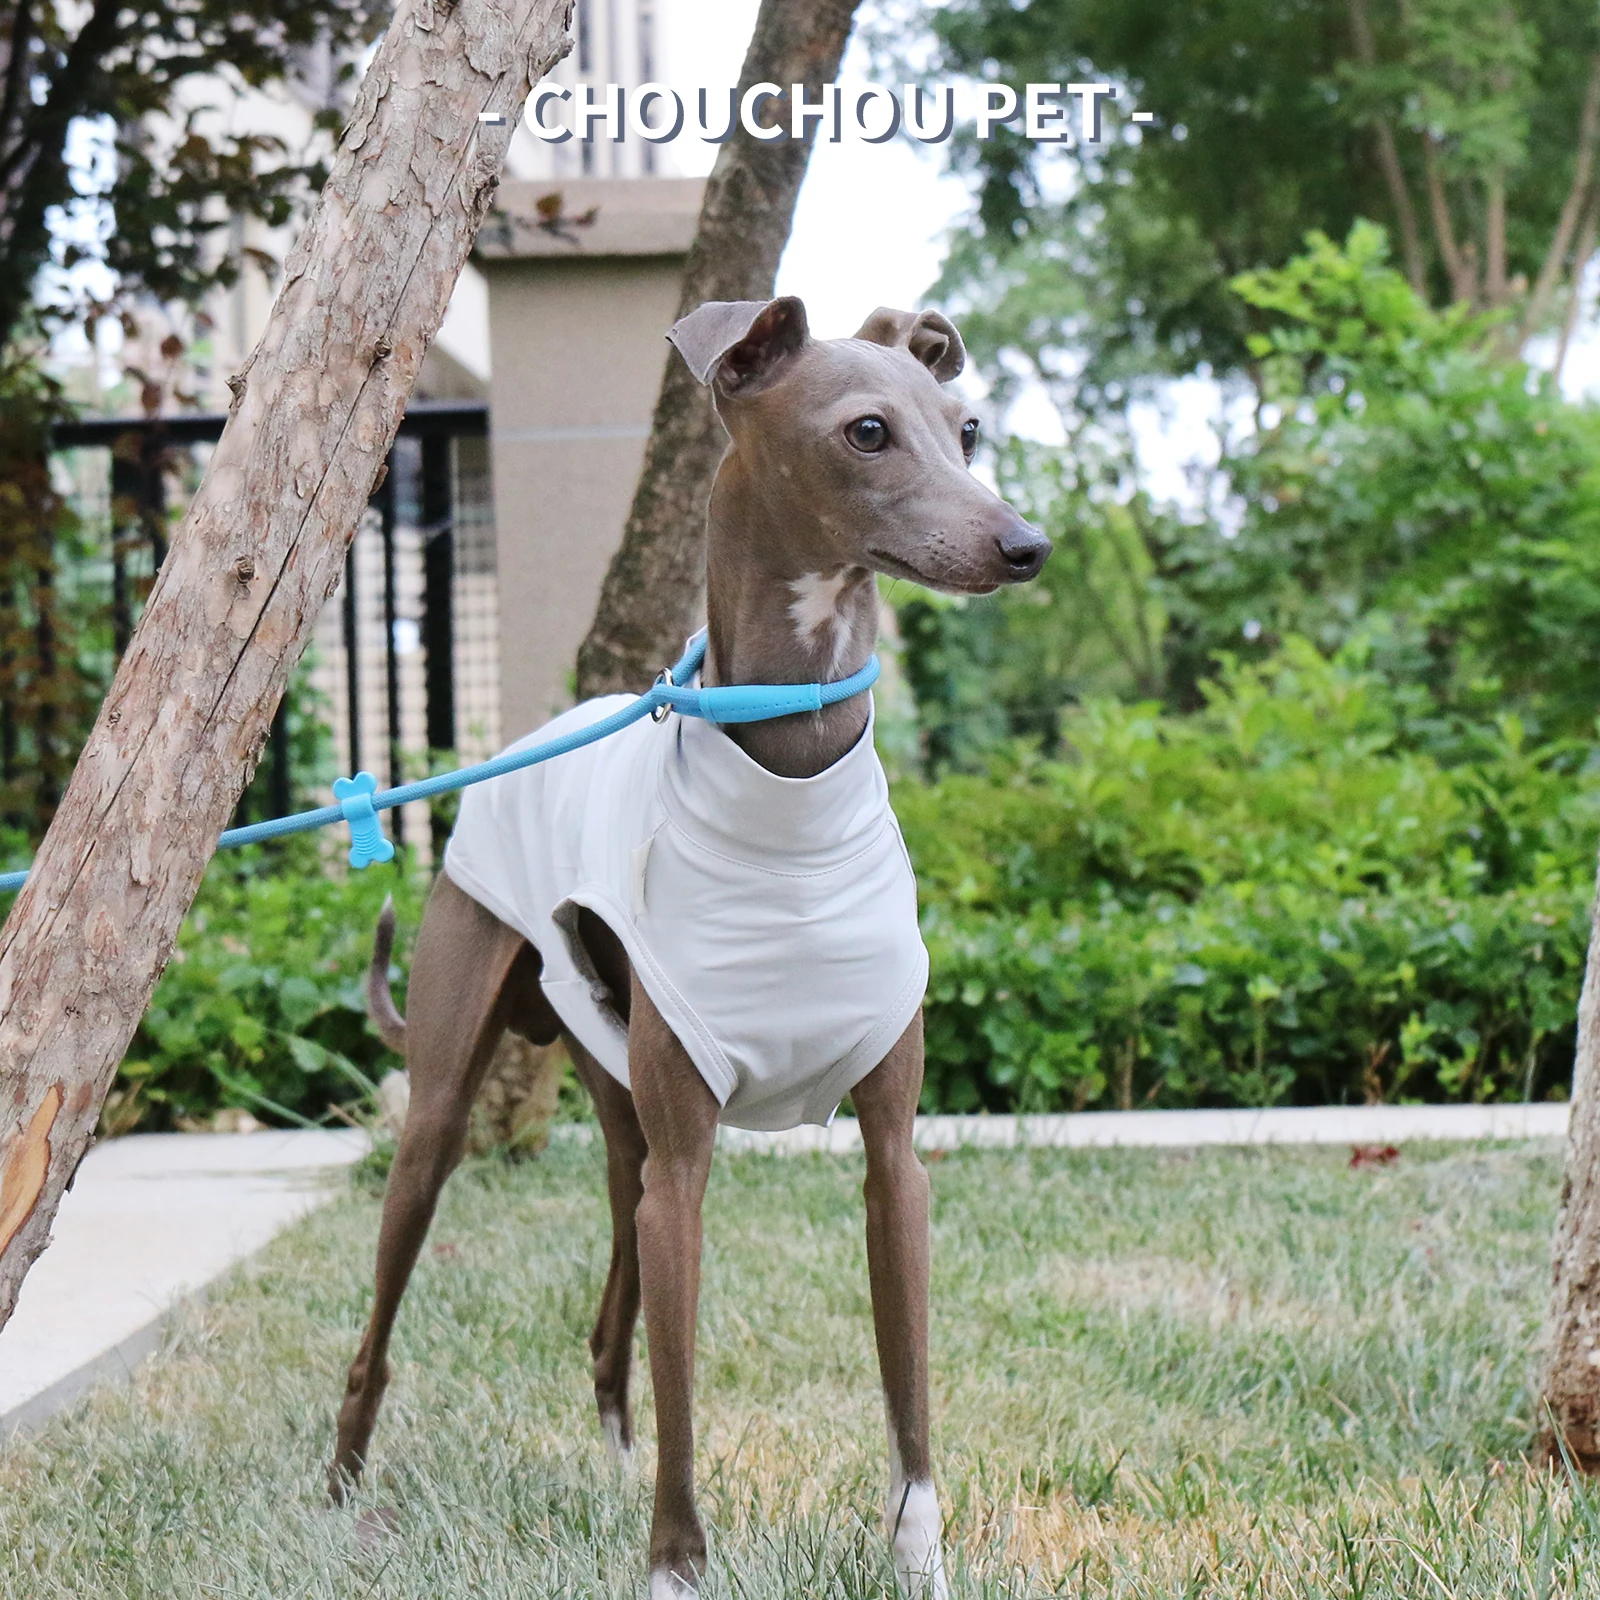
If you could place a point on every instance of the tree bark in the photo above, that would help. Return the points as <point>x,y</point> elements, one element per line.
<point>652,592</point>
<point>1555,258</point>
<point>1581,256</point>
<point>1457,262</point>
<point>1570,1379</point>
<point>34,175</point>
<point>1494,274</point>
<point>260,551</point>
<point>1394,177</point>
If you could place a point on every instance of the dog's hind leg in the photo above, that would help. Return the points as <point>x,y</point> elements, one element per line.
<point>611,1343</point>
<point>897,1262</point>
<point>469,977</point>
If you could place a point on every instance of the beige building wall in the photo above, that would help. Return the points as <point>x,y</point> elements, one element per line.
<point>577,328</point>
<point>613,41</point>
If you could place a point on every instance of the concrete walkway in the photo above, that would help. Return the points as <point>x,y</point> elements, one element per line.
<point>149,1219</point>
<point>1133,1130</point>
<point>155,1217</point>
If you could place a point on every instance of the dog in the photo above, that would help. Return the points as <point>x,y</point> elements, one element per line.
<point>721,921</point>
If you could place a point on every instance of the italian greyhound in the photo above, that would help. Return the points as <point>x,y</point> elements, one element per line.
<point>848,458</point>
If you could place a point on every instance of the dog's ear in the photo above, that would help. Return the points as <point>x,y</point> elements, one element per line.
<point>931,338</point>
<point>739,346</point>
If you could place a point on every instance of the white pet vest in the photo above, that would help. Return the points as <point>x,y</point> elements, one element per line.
<point>773,921</point>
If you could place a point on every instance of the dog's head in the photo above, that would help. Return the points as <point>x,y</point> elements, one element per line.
<point>861,441</point>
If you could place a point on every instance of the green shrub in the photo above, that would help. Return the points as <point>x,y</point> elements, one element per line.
<point>1273,900</point>
<point>1270,900</point>
<point>1411,481</point>
<point>261,1006</point>
<point>1263,997</point>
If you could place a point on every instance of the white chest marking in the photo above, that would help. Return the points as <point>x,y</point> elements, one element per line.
<point>815,609</point>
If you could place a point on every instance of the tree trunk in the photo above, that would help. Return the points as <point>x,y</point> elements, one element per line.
<point>1394,176</point>
<point>652,593</point>
<point>1581,257</point>
<point>34,175</point>
<point>1458,262</point>
<point>1570,1380</point>
<point>1555,258</point>
<point>260,551</point>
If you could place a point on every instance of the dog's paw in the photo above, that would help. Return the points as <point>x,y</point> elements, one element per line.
<point>666,1585</point>
<point>376,1525</point>
<point>617,1447</point>
<point>915,1530</point>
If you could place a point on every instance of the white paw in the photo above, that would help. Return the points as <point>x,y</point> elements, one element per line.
<point>666,1585</point>
<point>611,1432</point>
<point>914,1531</point>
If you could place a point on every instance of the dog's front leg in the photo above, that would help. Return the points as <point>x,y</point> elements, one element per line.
<point>897,1260</point>
<point>678,1114</point>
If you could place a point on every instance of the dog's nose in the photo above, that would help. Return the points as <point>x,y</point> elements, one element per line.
<point>1023,549</point>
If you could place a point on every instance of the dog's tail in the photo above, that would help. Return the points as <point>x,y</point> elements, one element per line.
<point>381,1008</point>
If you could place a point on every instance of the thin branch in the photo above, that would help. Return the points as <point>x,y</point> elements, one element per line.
<point>1494,280</point>
<point>1582,173</point>
<point>46,127</point>
<point>33,174</point>
<point>1389,160</point>
<point>1462,270</point>
<point>1585,251</point>
<point>16,68</point>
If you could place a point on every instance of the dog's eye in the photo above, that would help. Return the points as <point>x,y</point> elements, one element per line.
<point>969,437</point>
<point>868,434</point>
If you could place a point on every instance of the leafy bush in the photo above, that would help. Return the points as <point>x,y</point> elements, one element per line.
<point>1406,481</point>
<point>988,670</point>
<point>261,1006</point>
<point>1271,900</point>
<point>1411,482</point>
<point>1280,995</point>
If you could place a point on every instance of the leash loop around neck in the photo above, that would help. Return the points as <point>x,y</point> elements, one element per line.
<point>747,702</point>
<point>360,798</point>
<point>660,713</point>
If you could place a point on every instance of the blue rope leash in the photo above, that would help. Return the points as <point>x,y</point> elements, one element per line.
<point>360,799</point>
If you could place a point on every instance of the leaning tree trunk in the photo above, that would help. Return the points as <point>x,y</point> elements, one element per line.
<point>260,551</point>
<point>652,591</point>
<point>1570,1380</point>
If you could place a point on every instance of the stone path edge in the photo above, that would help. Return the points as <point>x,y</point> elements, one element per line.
<point>1146,1130</point>
<point>116,1365</point>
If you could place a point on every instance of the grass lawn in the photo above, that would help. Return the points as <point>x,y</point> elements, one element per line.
<point>1155,1374</point>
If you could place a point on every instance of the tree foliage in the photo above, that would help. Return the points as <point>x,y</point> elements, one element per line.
<point>1467,127</point>
<point>1406,484</point>
<point>48,688</point>
<point>177,171</point>
<point>1409,484</point>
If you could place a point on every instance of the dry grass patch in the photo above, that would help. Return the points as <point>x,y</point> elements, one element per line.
<point>1251,1374</point>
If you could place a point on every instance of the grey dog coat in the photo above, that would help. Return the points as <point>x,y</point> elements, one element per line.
<point>773,921</point>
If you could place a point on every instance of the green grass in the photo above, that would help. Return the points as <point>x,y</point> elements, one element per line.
<point>1233,1374</point>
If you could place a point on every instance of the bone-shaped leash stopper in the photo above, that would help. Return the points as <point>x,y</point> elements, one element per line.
<point>367,843</point>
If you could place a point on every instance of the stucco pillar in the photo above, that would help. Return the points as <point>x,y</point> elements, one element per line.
<point>580,300</point>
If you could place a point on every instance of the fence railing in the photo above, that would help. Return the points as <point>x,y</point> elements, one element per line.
<point>421,566</point>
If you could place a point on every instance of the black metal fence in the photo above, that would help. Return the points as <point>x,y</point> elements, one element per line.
<point>404,666</point>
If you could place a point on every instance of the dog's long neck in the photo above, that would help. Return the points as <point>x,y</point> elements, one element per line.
<point>780,612</point>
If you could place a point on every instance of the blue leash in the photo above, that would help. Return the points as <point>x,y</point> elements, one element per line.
<point>360,800</point>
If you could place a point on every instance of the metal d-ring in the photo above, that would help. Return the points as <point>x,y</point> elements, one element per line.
<point>661,712</point>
